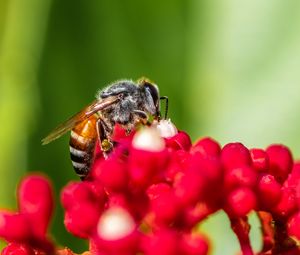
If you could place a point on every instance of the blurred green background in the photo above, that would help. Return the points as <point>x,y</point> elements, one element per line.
<point>230,69</point>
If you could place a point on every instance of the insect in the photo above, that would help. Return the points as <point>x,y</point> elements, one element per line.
<point>123,102</point>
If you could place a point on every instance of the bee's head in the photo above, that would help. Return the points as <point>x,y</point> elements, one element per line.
<point>152,96</point>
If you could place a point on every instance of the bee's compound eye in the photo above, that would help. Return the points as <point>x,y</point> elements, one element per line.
<point>153,90</point>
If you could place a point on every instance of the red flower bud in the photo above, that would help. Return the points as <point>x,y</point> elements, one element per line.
<point>135,203</point>
<point>76,193</point>
<point>163,242</point>
<point>260,160</point>
<point>165,208</point>
<point>242,176</point>
<point>180,141</point>
<point>18,249</point>
<point>190,188</point>
<point>206,147</point>
<point>113,174</point>
<point>240,202</point>
<point>148,158</point>
<point>268,191</point>
<point>281,161</point>
<point>235,155</point>
<point>287,204</point>
<point>36,200</point>
<point>146,167</point>
<point>294,177</point>
<point>193,244</point>
<point>195,214</point>
<point>81,220</point>
<point>177,165</point>
<point>14,227</point>
<point>209,167</point>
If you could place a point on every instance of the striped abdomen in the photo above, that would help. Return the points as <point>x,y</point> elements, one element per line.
<point>82,145</point>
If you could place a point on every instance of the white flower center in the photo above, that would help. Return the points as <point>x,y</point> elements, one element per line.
<point>166,128</point>
<point>114,224</point>
<point>148,139</point>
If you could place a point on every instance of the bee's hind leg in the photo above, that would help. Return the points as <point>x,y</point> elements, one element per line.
<point>104,133</point>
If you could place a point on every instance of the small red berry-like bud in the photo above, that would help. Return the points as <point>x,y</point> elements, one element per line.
<point>193,244</point>
<point>235,155</point>
<point>294,177</point>
<point>242,176</point>
<point>118,200</point>
<point>17,249</point>
<point>293,225</point>
<point>135,204</point>
<point>194,214</point>
<point>180,141</point>
<point>240,202</point>
<point>14,227</point>
<point>209,167</point>
<point>146,167</point>
<point>36,200</point>
<point>165,208</point>
<point>113,174</point>
<point>281,161</point>
<point>81,220</point>
<point>260,160</point>
<point>177,165</point>
<point>190,188</point>
<point>163,242</point>
<point>76,193</point>
<point>268,191</point>
<point>287,204</point>
<point>206,147</point>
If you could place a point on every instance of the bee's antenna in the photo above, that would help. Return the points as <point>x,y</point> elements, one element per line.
<point>166,106</point>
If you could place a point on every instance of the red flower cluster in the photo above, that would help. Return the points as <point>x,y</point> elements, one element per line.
<point>25,230</point>
<point>148,196</point>
<point>128,203</point>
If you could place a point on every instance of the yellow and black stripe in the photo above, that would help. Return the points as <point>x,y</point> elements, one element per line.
<point>82,144</point>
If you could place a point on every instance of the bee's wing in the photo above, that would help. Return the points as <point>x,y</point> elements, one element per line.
<point>85,113</point>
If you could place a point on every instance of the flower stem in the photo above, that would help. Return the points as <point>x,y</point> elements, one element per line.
<point>283,242</point>
<point>241,228</point>
<point>267,227</point>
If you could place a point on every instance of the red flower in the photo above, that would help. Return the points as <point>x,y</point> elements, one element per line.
<point>280,160</point>
<point>26,229</point>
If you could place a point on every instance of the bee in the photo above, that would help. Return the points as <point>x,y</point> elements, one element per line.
<point>123,102</point>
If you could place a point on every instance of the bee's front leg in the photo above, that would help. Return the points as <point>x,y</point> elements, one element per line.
<point>142,118</point>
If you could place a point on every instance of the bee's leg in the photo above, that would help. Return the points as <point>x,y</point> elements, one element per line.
<point>143,117</point>
<point>104,132</point>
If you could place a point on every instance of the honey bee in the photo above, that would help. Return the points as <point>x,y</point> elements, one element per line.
<point>123,102</point>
